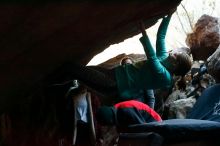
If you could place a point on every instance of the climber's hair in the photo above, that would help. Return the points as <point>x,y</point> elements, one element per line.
<point>184,64</point>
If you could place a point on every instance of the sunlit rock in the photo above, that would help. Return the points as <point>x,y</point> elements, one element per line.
<point>181,107</point>
<point>213,64</point>
<point>205,38</point>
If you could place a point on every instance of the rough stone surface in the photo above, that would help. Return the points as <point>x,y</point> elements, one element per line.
<point>39,36</point>
<point>213,63</point>
<point>205,38</point>
<point>180,108</point>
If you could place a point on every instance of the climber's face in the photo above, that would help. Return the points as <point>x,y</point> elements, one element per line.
<point>173,58</point>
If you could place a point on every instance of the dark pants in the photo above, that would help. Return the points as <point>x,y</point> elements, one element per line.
<point>147,97</point>
<point>99,79</point>
<point>83,133</point>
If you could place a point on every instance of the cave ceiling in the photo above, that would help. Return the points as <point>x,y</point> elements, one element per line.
<point>38,36</point>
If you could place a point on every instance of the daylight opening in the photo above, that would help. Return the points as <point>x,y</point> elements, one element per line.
<point>187,14</point>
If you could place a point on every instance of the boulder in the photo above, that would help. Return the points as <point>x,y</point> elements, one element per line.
<point>205,37</point>
<point>213,64</point>
<point>181,107</point>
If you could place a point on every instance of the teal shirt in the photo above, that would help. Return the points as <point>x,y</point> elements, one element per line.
<point>149,74</point>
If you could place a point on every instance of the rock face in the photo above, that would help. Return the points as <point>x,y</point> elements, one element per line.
<point>213,64</point>
<point>205,38</point>
<point>180,108</point>
<point>39,36</point>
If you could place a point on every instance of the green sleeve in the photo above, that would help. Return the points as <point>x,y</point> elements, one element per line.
<point>148,48</point>
<point>161,49</point>
<point>156,66</point>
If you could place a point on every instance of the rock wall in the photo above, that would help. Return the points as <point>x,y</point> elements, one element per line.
<point>213,64</point>
<point>205,38</point>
